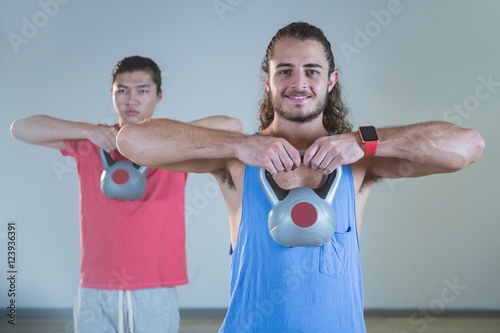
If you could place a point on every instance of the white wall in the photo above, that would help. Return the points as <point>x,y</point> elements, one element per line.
<point>411,66</point>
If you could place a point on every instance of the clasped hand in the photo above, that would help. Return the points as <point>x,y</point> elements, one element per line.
<point>277,155</point>
<point>103,136</point>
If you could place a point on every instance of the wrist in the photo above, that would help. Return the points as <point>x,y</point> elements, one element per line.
<point>86,129</point>
<point>236,143</point>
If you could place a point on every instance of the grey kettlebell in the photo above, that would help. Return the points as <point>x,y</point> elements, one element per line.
<point>122,180</point>
<point>301,216</point>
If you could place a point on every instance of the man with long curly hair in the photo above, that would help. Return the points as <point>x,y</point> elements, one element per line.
<point>304,135</point>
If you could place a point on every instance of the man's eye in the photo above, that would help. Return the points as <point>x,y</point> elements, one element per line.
<point>284,72</point>
<point>312,72</point>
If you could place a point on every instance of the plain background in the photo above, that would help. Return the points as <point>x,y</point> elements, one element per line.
<point>400,62</point>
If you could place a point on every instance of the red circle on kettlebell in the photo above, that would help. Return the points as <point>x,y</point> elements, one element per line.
<point>120,176</point>
<point>304,214</point>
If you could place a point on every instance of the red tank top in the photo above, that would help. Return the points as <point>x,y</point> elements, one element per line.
<point>129,245</point>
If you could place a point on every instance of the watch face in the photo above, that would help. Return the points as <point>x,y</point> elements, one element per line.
<point>368,133</point>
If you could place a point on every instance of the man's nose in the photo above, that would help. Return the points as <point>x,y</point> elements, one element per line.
<point>299,80</point>
<point>132,98</point>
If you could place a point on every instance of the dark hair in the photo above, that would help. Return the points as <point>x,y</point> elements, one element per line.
<point>138,63</point>
<point>335,113</point>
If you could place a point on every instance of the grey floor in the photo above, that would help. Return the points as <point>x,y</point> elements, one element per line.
<point>211,325</point>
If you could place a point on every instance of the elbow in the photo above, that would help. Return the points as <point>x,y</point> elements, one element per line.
<point>234,124</point>
<point>472,150</point>
<point>477,145</point>
<point>467,152</point>
<point>126,143</point>
<point>13,129</point>
<point>130,142</point>
<point>16,129</point>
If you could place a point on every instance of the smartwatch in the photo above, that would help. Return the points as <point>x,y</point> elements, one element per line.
<point>369,138</point>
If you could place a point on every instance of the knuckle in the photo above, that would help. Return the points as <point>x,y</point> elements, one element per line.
<point>314,163</point>
<point>331,146</point>
<point>275,146</point>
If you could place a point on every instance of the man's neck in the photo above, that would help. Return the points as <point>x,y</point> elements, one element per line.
<point>300,135</point>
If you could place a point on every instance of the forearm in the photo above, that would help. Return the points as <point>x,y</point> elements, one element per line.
<point>44,130</point>
<point>159,141</point>
<point>435,144</point>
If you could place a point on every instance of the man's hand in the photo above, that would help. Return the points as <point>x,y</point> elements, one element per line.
<point>329,152</point>
<point>103,136</point>
<point>271,153</point>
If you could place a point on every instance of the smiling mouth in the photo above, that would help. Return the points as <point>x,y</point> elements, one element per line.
<point>298,98</point>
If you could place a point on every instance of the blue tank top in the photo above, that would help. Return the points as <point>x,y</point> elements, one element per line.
<point>275,289</point>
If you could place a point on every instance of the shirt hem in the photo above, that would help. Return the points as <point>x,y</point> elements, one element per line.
<point>134,286</point>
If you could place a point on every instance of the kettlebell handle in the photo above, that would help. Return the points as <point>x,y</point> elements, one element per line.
<point>107,162</point>
<point>106,159</point>
<point>328,189</point>
<point>275,193</point>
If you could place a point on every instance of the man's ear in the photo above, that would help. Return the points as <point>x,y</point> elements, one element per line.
<point>334,76</point>
<point>159,97</point>
<point>267,82</point>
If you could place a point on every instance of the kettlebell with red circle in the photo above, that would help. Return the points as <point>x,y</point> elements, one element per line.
<point>122,180</point>
<point>301,216</point>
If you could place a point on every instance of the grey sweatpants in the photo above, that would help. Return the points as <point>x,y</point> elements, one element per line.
<point>135,311</point>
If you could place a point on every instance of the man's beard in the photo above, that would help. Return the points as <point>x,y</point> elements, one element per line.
<point>298,118</point>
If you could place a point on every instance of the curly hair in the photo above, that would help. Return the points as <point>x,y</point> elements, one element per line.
<point>335,112</point>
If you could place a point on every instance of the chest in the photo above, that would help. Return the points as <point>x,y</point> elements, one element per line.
<point>300,177</point>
